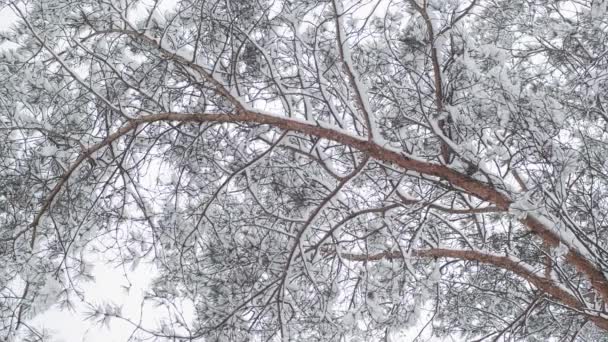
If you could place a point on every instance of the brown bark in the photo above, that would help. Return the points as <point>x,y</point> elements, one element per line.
<point>547,285</point>
<point>464,182</point>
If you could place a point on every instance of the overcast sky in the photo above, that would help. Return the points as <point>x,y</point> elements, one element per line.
<point>109,287</point>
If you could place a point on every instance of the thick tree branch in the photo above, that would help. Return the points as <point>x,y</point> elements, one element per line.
<point>547,285</point>
<point>244,114</point>
<point>384,154</point>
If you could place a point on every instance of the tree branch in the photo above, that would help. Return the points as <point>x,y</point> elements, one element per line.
<point>518,267</point>
<point>384,154</point>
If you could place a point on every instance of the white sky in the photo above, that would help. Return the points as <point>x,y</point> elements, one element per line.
<point>108,287</point>
<point>68,326</point>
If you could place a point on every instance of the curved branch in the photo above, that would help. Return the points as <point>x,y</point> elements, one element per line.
<point>373,150</point>
<point>516,266</point>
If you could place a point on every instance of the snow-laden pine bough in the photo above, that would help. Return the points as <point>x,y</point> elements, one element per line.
<point>303,170</point>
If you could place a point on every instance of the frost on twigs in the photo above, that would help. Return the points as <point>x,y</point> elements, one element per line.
<point>102,314</point>
<point>48,151</point>
<point>283,167</point>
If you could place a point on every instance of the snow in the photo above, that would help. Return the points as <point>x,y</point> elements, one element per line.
<point>560,251</point>
<point>8,17</point>
<point>22,114</point>
<point>326,160</point>
<point>361,89</point>
<point>567,237</point>
<point>48,151</point>
<point>522,208</point>
<point>186,52</point>
<point>435,276</point>
<point>599,8</point>
<point>48,294</point>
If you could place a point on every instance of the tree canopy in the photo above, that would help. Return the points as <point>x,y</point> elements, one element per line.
<point>329,170</point>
